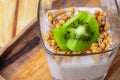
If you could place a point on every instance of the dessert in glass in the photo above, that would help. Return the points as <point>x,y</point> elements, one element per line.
<point>80,38</point>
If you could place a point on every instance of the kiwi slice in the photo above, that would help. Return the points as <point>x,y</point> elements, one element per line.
<point>73,22</point>
<point>63,33</point>
<point>59,36</point>
<point>78,33</point>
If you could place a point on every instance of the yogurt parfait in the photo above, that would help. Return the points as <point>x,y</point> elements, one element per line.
<point>78,42</point>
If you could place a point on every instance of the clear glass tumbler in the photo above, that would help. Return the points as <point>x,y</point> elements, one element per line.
<point>92,66</point>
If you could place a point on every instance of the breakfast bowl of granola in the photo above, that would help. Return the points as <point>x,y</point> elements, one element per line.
<point>80,38</point>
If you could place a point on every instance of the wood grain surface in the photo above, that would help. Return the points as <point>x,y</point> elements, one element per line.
<point>32,65</point>
<point>6,20</point>
<point>27,11</point>
<point>14,16</point>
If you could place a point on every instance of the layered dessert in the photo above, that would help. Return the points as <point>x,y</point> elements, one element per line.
<point>77,31</point>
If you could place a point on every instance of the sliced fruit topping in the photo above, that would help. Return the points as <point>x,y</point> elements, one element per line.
<point>59,35</point>
<point>78,33</point>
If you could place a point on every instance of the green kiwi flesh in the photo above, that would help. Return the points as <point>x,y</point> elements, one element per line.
<point>59,36</point>
<point>78,33</point>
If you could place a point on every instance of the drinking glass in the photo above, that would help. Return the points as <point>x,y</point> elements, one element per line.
<point>92,66</point>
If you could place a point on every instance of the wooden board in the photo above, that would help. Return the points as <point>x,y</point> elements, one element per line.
<point>27,11</point>
<point>14,16</point>
<point>6,20</point>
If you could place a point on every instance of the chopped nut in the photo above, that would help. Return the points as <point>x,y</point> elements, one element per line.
<point>68,17</point>
<point>69,52</point>
<point>99,49</point>
<point>56,13</point>
<point>108,34</point>
<point>107,26</point>
<point>102,23</point>
<point>105,34</point>
<point>101,36</point>
<point>50,18</point>
<point>62,51</point>
<point>110,40</point>
<point>100,40</point>
<point>79,52</point>
<point>49,41</point>
<point>63,16</point>
<point>101,29</point>
<point>49,13</point>
<point>102,46</point>
<point>107,47</point>
<point>50,33</point>
<point>102,13</point>
<point>61,21</point>
<point>65,52</point>
<point>72,14</point>
<point>94,49</point>
<point>55,47</point>
<point>100,17</point>
<point>55,50</point>
<point>51,38</point>
<point>53,42</point>
<point>47,36</point>
<point>54,22</point>
<point>58,49</point>
<point>50,27</point>
<point>88,52</point>
<point>71,9</point>
<point>97,13</point>
<point>57,25</point>
<point>94,45</point>
<point>61,11</point>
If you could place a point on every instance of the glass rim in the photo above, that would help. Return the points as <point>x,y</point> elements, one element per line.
<point>82,54</point>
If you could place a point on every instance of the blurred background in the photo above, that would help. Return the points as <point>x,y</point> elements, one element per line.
<point>14,16</point>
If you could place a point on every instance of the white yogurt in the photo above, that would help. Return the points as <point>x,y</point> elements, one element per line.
<point>85,68</point>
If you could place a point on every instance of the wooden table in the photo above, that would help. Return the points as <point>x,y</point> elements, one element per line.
<point>32,65</point>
